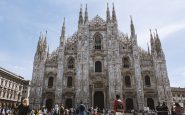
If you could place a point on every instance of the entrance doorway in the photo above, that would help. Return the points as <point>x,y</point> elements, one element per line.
<point>68,103</point>
<point>49,104</point>
<point>150,103</point>
<point>99,99</point>
<point>129,104</point>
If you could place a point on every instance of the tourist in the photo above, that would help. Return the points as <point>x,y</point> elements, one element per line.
<point>81,108</point>
<point>173,110</point>
<point>164,109</point>
<point>178,109</point>
<point>124,102</point>
<point>159,109</point>
<point>23,108</point>
<point>118,106</point>
<point>62,110</point>
<point>56,110</point>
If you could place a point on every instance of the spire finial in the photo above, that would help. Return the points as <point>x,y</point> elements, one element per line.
<point>64,22</point>
<point>132,27</point>
<point>151,36</point>
<point>131,19</point>
<point>63,32</point>
<point>156,33</point>
<point>80,21</point>
<point>148,48</point>
<point>40,36</point>
<point>86,14</point>
<point>108,13</point>
<point>113,14</point>
<point>45,36</point>
<point>63,28</point>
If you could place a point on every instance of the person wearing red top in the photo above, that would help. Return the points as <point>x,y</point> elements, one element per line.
<point>118,106</point>
<point>124,102</point>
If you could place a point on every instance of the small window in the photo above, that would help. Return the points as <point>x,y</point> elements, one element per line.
<point>98,66</point>
<point>69,82</point>
<point>147,81</point>
<point>127,81</point>
<point>126,62</point>
<point>97,43</point>
<point>50,82</point>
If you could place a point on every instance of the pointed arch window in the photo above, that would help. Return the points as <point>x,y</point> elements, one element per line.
<point>50,82</point>
<point>71,63</point>
<point>69,82</point>
<point>127,81</point>
<point>97,44</point>
<point>98,66</point>
<point>147,81</point>
<point>126,62</point>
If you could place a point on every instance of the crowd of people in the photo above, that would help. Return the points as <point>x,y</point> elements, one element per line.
<point>118,109</point>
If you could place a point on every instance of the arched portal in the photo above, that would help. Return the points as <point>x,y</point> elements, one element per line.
<point>68,103</point>
<point>129,104</point>
<point>49,104</point>
<point>99,99</point>
<point>150,103</point>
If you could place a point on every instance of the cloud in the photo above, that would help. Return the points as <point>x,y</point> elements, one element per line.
<point>165,31</point>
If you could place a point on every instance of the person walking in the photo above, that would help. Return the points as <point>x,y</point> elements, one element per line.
<point>159,109</point>
<point>81,108</point>
<point>23,108</point>
<point>62,109</point>
<point>165,109</point>
<point>118,106</point>
<point>178,109</point>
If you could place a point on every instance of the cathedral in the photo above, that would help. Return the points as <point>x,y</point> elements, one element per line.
<point>96,63</point>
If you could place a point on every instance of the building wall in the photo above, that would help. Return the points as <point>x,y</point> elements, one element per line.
<point>11,87</point>
<point>178,95</point>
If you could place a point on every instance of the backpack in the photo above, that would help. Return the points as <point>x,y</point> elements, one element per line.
<point>119,106</point>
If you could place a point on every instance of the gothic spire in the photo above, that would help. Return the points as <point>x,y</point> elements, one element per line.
<point>48,51</point>
<point>63,32</point>
<point>45,39</point>
<point>108,13</point>
<point>157,36</point>
<point>80,21</point>
<point>132,29</point>
<point>148,48</point>
<point>86,15</point>
<point>113,14</point>
<point>157,40</point>
<point>151,36</point>
<point>39,42</point>
<point>151,41</point>
<point>45,42</point>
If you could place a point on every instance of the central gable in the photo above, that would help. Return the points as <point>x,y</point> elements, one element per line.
<point>97,24</point>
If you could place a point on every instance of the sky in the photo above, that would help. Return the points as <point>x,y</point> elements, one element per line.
<point>21,22</point>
